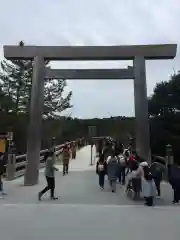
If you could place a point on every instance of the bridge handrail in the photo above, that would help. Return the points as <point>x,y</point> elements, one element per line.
<point>20,161</point>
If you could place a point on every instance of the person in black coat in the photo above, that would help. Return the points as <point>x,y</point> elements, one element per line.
<point>174,180</point>
<point>2,171</point>
<point>101,170</point>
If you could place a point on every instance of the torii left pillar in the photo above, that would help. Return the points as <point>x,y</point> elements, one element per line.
<point>35,124</point>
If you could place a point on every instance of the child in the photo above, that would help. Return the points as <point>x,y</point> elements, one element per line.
<point>148,187</point>
<point>101,167</point>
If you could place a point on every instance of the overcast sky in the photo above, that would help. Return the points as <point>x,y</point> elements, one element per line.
<point>96,22</point>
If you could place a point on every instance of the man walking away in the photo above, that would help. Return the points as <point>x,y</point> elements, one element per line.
<point>50,175</point>
<point>174,180</point>
<point>66,157</point>
<point>157,170</point>
<point>101,169</point>
<point>112,170</point>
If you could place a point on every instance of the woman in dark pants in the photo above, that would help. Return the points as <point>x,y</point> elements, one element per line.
<point>101,170</point>
<point>50,175</point>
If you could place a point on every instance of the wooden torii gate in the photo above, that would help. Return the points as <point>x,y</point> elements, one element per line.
<point>137,53</point>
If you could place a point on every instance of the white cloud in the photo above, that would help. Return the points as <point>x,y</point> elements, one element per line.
<point>90,22</point>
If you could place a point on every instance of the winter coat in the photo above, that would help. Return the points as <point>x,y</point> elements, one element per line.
<point>49,167</point>
<point>174,176</point>
<point>148,187</point>
<point>157,170</point>
<point>66,156</point>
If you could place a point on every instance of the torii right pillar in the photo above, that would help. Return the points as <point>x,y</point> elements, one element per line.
<point>141,109</point>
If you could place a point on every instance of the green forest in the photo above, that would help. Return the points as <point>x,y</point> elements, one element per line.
<point>15,93</point>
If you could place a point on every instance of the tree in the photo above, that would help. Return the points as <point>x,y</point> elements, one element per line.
<point>6,102</point>
<point>54,101</point>
<point>160,100</point>
<point>12,83</point>
<point>164,106</point>
<point>166,97</point>
<point>16,83</point>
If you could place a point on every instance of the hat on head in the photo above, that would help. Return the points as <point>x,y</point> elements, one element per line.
<point>143,164</point>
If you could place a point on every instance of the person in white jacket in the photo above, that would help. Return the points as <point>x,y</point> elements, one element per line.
<point>135,178</point>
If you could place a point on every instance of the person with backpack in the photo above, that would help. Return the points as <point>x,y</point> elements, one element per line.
<point>148,186</point>
<point>134,182</point>
<point>157,170</point>
<point>122,169</point>
<point>112,171</point>
<point>101,170</point>
<point>50,175</point>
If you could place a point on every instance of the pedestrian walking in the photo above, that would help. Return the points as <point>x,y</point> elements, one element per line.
<point>174,180</point>
<point>73,150</point>
<point>101,170</point>
<point>49,175</point>
<point>112,171</point>
<point>66,157</point>
<point>2,171</point>
<point>148,187</point>
<point>157,170</point>
<point>122,169</point>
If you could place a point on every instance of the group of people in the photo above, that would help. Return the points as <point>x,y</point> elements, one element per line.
<point>140,177</point>
<point>69,151</point>
<point>50,168</point>
<point>113,167</point>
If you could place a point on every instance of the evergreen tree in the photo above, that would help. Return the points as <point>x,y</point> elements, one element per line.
<point>54,101</point>
<point>16,83</point>
<point>12,83</point>
<point>6,103</point>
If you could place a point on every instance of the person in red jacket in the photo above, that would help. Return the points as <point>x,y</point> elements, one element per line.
<point>131,162</point>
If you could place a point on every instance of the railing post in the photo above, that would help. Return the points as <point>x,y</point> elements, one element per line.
<point>169,159</point>
<point>169,155</point>
<point>11,166</point>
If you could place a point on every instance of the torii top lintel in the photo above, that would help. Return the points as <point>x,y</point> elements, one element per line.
<point>62,53</point>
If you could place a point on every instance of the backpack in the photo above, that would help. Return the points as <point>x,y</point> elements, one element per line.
<point>100,167</point>
<point>121,160</point>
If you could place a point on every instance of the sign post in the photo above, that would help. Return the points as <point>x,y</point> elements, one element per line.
<point>92,133</point>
